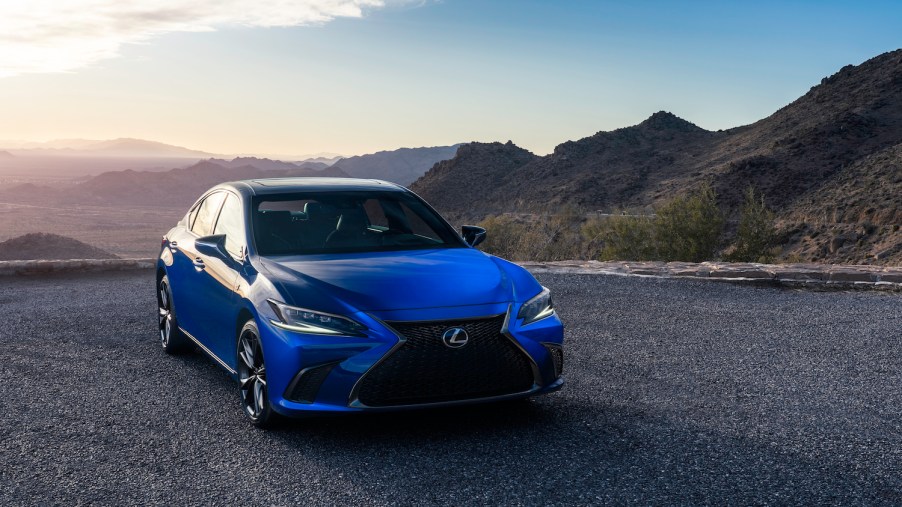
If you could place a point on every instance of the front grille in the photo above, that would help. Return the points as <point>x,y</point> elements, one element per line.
<point>424,370</point>
<point>306,384</point>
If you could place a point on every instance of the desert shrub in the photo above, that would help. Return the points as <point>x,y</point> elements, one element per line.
<point>686,229</point>
<point>620,238</point>
<point>538,238</point>
<point>689,227</point>
<point>504,236</point>
<point>756,233</point>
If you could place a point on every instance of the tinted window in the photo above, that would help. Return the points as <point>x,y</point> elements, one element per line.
<point>347,222</point>
<point>231,223</point>
<point>206,215</point>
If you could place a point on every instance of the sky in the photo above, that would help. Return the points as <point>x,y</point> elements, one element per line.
<point>291,77</point>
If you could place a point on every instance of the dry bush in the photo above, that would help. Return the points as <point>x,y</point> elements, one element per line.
<point>540,238</point>
<point>687,228</point>
<point>621,238</point>
<point>756,234</point>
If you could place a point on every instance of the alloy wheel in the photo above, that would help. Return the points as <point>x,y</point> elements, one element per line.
<point>252,374</point>
<point>165,314</point>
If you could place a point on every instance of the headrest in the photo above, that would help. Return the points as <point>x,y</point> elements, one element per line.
<point>315,210</point>
<point>352,220</point>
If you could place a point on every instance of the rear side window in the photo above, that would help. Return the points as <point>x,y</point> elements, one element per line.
<point>206,214</point>
<point>231,223</point>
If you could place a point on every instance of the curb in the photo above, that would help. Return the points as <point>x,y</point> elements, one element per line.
<point>34,267</point>
<point>791,275</point>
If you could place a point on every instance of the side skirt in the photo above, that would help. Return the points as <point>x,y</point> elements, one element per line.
<point>209,352</point>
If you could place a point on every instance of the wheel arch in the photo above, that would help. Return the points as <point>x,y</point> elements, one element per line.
<point>161,272</point>
<point>244,315</point>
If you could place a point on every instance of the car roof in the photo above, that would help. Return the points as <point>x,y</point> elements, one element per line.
<point>269,186</point>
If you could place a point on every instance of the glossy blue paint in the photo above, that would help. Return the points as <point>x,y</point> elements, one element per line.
<point>213,301</point>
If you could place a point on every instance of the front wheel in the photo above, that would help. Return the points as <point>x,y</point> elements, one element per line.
<point>252,378</point>
<point>171,337</point>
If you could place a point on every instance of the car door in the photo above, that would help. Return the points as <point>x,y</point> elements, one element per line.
<point>187,273</point>
<point>218,281</point>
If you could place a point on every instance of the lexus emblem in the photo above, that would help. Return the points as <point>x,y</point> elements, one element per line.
<point>455,337</point>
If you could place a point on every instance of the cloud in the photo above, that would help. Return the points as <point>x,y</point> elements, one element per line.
<point>63,35</point>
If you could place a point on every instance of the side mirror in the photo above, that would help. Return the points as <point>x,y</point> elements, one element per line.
<point>213,246</point>
<point>473,235</point>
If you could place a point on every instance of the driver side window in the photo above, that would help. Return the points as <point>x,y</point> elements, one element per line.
<point>231,223</point>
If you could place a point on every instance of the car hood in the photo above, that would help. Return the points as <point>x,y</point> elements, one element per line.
<point>399,280</point>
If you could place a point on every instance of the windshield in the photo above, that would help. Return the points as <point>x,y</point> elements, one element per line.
<point>354,221</point>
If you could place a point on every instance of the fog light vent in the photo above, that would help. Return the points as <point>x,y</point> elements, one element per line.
<point>306,384</point>
<point>557,355</point>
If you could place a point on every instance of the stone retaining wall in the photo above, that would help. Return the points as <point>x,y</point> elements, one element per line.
<point>789,274</point>
<point>73,266</point>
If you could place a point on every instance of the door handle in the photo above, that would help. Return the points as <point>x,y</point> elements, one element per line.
<point>199,263</point>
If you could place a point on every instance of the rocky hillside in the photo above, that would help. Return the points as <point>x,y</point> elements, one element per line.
<point>402,166</point>
<point>820,154</point>
<point>49,247</point>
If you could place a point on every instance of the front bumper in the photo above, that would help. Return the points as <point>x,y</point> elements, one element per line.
<point>339,364</point>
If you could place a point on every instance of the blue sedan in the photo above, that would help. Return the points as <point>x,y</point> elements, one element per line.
<point>335,295</point>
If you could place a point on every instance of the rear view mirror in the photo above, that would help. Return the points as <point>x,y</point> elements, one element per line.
<point>213,246</point>
<point>473,235</point>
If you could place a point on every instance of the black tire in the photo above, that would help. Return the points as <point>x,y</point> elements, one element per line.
<point>252,387</point>
<point>171,337</point>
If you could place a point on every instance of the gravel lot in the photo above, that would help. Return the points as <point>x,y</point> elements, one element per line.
<point>679,392</point>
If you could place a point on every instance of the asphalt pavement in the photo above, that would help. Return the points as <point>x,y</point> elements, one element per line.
<point>678,392</point>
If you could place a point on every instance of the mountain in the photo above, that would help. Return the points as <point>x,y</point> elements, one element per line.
<point>836,141</point>
<point>49,247</point>
<point>6,154</point>
<point>402,166</point>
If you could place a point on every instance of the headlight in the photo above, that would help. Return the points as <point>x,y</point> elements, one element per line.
<point>309,321</point>
<point>537,308</point>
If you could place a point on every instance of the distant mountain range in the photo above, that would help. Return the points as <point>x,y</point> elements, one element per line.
<point>176,187</point>
<point>269,164</point>
<point>83,157</point>
<point>830,164</point>
<point>122,147</point>
<point>179,187</point>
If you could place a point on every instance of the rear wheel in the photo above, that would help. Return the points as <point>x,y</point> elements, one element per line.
<point>252,378</point>
<point>171,337</point>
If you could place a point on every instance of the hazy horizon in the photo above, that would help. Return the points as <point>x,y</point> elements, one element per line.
<point>351,77</point>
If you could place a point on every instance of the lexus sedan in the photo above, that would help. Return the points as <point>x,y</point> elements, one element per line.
<point>335,295</point>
